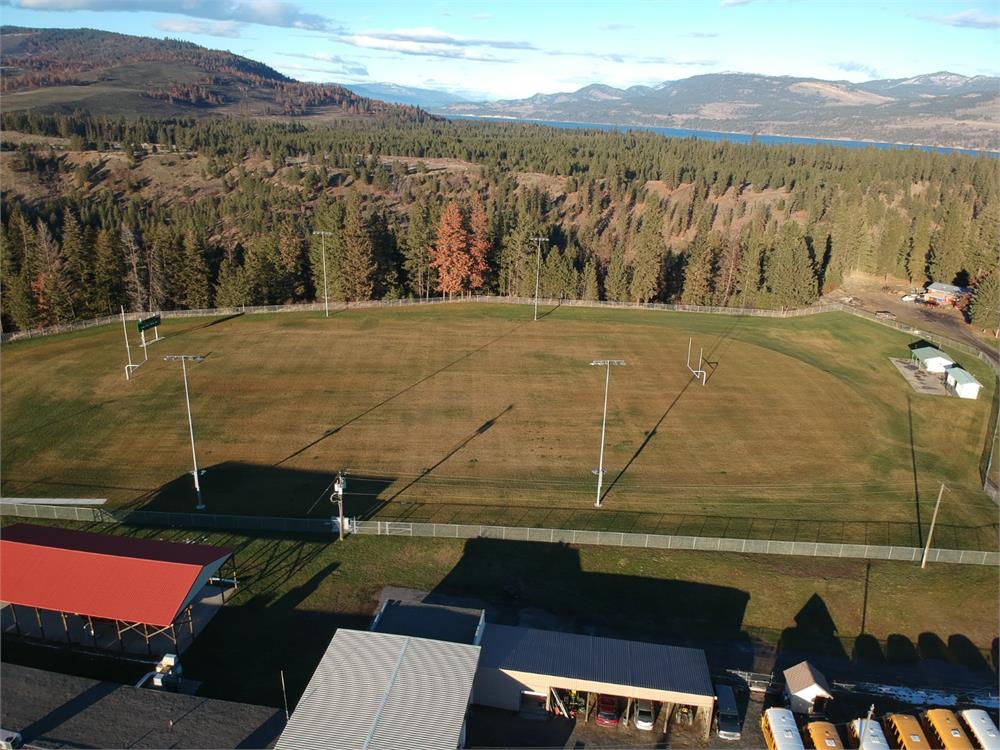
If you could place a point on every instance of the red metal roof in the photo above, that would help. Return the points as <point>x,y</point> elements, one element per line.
<point>102,575</point>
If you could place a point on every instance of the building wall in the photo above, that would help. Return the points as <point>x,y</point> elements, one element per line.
<point>497,689</point>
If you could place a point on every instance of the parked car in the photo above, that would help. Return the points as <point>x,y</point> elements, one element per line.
<point>908,298</point>
<point>885,315</point>
<point>727,713</point>
<point>607,711</point>
<point>644,716</point>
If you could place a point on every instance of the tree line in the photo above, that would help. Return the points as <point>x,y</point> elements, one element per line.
<point>626,216</point>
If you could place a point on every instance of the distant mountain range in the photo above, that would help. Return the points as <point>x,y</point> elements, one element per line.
<point>396,94</point>
<point>935,109</point>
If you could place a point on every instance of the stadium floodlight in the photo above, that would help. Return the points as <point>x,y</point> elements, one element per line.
<point>184,359</point>
<point>608,364</point>
<point>538,266</point>
<point>326,287</point>
<point>699,372</point>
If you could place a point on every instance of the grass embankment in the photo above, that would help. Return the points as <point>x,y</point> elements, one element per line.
<point>465,413</point>
<point>294,593</point>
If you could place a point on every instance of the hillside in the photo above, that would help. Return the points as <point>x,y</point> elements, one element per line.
<point>936,109</point>
<point>61,70</point>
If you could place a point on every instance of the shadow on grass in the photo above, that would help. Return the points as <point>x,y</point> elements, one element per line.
<point>931,661</point>
<point>518,579</point>
<point>237,488</point>
<point>397,394</point>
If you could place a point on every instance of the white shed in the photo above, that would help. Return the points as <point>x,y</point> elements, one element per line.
<point>962,383</point>
<point>930,359</point>
<point>806,688</point>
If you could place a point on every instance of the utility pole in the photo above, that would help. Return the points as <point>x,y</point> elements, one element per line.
<point>187,399</point>
<point>930,534</point>
<point>326,287</point>
<point>339,485</point>
<point>538,266</point>
<point>607,363</point>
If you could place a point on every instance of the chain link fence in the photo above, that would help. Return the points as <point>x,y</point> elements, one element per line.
<point>670,542</point>
<point>220,521</point>
<point>328,526</point>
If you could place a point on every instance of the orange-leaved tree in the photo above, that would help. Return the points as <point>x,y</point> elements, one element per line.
<point>479,243</point>
<point>451,256</point>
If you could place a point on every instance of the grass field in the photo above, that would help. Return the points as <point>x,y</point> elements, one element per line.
<point>468,413</point>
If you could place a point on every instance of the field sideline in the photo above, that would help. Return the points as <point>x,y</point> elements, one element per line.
<point>467,413</point>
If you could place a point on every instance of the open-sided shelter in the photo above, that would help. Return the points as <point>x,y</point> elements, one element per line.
<point>517,661</point>
<point>142,585</point>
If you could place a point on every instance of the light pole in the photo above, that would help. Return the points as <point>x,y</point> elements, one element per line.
<point>608,364</point>
<point>187,399</point>
<point>538,266</point>
<point>326,288</point>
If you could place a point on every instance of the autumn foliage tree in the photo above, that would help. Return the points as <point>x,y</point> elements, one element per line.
<point>451,257</point>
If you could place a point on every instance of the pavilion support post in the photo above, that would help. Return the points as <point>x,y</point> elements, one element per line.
<point>38,619</point>
<point>13,613</point>
<point>65,626</point>
<point>190,612</point>
<point>121,642</point>
<point>145,634</point>
<point>668,708</point>
<point>93,631</point>
<point>173,634</point>
<point>705,713</point>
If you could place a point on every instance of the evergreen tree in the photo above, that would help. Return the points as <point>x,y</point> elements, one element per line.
<point>263,271</point>
<point>196,290</point>
<point>948,245</point>
<point>751,271</point>
<point>328,219</point>
<point>50,283</point>
<point>590,289</point>
<point>108,272</point>
<point>788,270</point>
<point>985,309</point>
<point>648,260</point>
<point>699,274</point>
<point>78,264</point>
<point>292,286</point>
<point>232,289</point>
<point>15,290</point>
<point>918,248</point>
<point>358,266</point>
<point>421,233</point>
<point>617,284</point>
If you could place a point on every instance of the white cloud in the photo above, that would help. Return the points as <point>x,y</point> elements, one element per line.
<point>730,3</point>
<point>230,29</point>
<point>431,42</point>
<point>970,19</point>
<point>265,12</point>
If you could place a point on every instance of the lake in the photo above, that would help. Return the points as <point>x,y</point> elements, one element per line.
<point>713,135</point>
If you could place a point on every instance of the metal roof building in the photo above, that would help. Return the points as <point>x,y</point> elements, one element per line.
<point>931,359</point>
<point>805,687</point>
<point>382,691</point>
<point>517,662</point>
<point>136,582</point>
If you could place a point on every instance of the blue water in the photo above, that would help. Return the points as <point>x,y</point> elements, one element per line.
<point>713,135</point>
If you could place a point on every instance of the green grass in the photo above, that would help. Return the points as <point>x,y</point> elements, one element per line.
<point>295,592</point>
<point>466,413</point>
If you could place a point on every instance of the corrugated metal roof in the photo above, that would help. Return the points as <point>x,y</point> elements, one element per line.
<point>381,691</point>
<point>961,377</point>
<point>924,353</point>
<point>102,575</point>
<point>803,676</point>
<point>950,288</point>
<point>436,621</point>
<point>597,659</point>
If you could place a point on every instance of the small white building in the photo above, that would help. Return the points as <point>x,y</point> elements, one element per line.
<point>806,689</point>
<point>930,359</point>
<point>962,383</point>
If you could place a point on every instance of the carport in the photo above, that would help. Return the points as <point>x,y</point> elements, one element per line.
<point>515,661</point>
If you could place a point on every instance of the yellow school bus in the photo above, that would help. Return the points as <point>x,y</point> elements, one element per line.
<point>904,732</point>
<point>822,735</point>
<point>780,730</point>
<point>944,731</point>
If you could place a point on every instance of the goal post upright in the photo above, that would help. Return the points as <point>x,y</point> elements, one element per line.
<point>699,373</point>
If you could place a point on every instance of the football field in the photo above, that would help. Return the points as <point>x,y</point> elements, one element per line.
<point>477,414</point>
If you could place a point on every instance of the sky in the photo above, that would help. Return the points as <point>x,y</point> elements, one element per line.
<point>513,49</point>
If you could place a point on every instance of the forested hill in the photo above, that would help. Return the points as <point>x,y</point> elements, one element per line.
<point>155,214</point>
<point>109,73</point>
